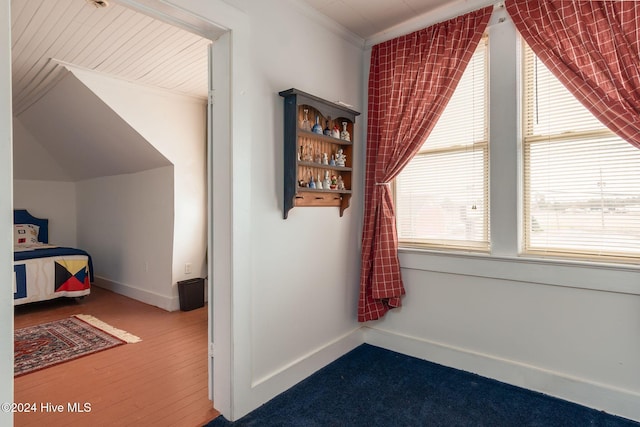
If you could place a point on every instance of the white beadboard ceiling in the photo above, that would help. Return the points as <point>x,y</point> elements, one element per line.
<point>115,40</point>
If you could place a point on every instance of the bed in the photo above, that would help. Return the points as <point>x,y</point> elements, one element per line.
<point>43,271</point>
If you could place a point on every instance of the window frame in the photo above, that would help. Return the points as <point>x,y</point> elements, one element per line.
<point>505,265</point>
<point>447,245</point>
<point>526,140</point>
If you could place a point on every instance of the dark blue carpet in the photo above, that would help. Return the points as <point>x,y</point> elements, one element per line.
<point>371,387</point>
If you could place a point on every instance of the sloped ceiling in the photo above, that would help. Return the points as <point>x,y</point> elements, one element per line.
<point>65,123</point>
<point>115,40</point>
<point>86,137</point>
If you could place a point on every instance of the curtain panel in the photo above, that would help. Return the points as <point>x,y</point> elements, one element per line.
<point>411,80</point>
<point>593,48</point>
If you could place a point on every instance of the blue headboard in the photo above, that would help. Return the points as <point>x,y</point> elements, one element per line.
<point>21,216</point>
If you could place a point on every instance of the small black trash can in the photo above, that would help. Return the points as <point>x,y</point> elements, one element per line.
<point>191,293</point>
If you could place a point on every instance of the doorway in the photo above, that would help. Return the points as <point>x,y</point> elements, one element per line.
<point>177,16</point>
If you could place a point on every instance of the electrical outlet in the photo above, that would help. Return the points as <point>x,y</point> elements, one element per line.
<point>187,268</point>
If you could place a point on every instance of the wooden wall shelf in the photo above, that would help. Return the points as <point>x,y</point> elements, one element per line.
<point>304,150</point>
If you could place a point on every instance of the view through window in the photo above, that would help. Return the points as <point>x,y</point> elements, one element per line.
<point>581,181</point>
<point>441,196</point>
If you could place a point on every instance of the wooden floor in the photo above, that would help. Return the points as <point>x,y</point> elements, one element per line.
<point>161,381</point>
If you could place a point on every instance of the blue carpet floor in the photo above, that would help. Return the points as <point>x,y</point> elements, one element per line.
<point>374,387</point>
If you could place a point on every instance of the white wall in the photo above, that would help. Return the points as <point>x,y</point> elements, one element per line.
<point>302,271</point>
<point>305,268</point>
<point>42,187</point>
<point>176,126</point>
<point>566,329</point>
<point>6,216</point>
<point>125,222</point>
<point>30,159</point>
<point>54,200</point>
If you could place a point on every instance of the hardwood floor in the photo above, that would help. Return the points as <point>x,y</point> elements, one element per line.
<point>161,381</point>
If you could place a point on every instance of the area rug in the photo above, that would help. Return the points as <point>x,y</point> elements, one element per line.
<point>41,346</point>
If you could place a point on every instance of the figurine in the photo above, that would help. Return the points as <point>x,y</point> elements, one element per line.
<point>335,132</point>
<point>345,133</point>
<point>317,128</point>
<point>341,159</point>
<point>332,162</point>
<point>308,154</point>
<point>334,182</point>
<point>326,184</point>
<point>319,184</point>
<point>312,183</point>
<point>325,159</point>
<point>327,130</point>
<point>305,125</point>
<point>340,183</point>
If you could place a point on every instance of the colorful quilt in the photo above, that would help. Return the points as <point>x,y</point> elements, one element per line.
<point>48,272</point>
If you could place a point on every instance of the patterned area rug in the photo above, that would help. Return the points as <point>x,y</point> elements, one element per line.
<point>41,346</point>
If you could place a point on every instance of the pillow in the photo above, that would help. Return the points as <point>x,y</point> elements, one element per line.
<point>25,234</point>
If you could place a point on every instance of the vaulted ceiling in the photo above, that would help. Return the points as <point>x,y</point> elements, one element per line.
<point>114,40</point>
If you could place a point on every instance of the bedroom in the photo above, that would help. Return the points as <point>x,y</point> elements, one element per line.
<point>109,179</point>
<point>286,327</point>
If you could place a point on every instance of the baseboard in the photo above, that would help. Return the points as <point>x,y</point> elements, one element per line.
<point>147,297</point>
<point>269,386</point>
<point>602,397</point>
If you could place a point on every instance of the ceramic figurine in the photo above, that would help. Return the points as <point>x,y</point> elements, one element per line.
<point>326,184</point>
<point>319,184</point>
<point>332,162</point>
<point>340,183</point>
<point>317,128</point>
<point>325,159</point>
<point>305,124</point>
<point>308,154</point>
<point>341,159</point>
<point>312,183</point>
<point>345,133</point>
<point>335,132</point>
<point>334,182</point>
<point>326,130</point>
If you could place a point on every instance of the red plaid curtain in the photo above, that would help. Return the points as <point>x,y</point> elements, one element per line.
<point>411,81</point>
<point>593,48</point>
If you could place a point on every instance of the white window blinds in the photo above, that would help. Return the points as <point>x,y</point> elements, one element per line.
<point>581,182</point>
<point>442,197</point>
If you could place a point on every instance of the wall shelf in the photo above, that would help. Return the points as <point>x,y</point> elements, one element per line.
<point>304,151</point>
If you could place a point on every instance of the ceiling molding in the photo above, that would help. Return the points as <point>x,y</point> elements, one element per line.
<point>327,22</point>
<point>440,14</point>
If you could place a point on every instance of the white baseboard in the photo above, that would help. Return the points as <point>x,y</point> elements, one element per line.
<point>602,397</point>
<point>269,386</point>
<point>142,295</point>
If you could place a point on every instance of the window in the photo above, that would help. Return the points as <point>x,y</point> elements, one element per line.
<point>581,182</point>
<point>442,195</point>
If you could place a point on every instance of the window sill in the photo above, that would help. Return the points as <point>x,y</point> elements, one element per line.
<point>618,278</point>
